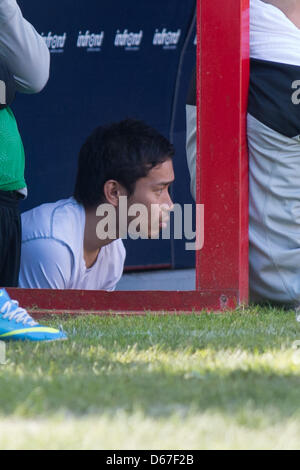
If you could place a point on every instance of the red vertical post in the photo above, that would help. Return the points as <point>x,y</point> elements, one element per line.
<point>222,162</point>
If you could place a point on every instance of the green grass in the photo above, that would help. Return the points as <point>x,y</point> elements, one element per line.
<point>167,382</point>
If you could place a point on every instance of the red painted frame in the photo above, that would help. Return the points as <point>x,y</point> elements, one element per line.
<point>222,179</point>
<point>222,183</point>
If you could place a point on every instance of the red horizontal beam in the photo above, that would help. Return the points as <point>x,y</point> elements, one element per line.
<point>41,302</point>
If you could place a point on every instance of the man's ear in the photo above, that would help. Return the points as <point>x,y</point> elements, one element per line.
<point>112,191</point>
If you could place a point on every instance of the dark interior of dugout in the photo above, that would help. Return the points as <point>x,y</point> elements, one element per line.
<point>109,60</point>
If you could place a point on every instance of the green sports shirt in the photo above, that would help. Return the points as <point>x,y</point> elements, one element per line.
<point>12,157</point>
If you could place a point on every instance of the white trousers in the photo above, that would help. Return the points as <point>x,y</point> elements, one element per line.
<point>274,215</point>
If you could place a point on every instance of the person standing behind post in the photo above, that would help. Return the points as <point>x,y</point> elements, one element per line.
<point>191,132</point>
<point>273,128</point>
<point>24,67</point>
<point>274,151</point>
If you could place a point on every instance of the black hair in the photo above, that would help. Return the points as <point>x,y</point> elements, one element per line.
<point>125,152</point>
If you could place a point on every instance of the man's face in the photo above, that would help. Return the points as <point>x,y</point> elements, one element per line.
<point>153,193</point>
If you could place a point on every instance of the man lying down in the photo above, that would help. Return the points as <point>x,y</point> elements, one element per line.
<point>61,244</point>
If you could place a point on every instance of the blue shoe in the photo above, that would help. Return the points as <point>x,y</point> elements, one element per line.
<point>17,325</point>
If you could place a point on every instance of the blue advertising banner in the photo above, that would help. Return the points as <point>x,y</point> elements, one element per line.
<point>109,60</point>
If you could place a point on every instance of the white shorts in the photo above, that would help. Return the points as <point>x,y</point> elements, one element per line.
<point>274,215</point>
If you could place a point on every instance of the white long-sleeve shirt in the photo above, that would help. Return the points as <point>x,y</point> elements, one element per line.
<point>22,49</point>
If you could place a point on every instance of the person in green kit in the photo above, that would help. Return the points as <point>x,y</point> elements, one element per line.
<point>12,183</point>
<point>24,67</point>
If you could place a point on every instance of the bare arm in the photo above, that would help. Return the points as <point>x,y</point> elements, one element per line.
<point>291,8</point>
<point>22,49</point>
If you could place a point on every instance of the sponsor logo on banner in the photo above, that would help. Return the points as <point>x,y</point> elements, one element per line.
<point>55,42</point>
<point>130,41</point>
<point>166,39</point>
<point>92,42</point>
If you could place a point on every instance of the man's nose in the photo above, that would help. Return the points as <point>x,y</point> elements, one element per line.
<point>168,201</point>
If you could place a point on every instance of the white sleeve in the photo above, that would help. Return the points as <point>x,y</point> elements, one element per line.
<point>22,49</point>
<point>191,144</point>
<point>45,264</point>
